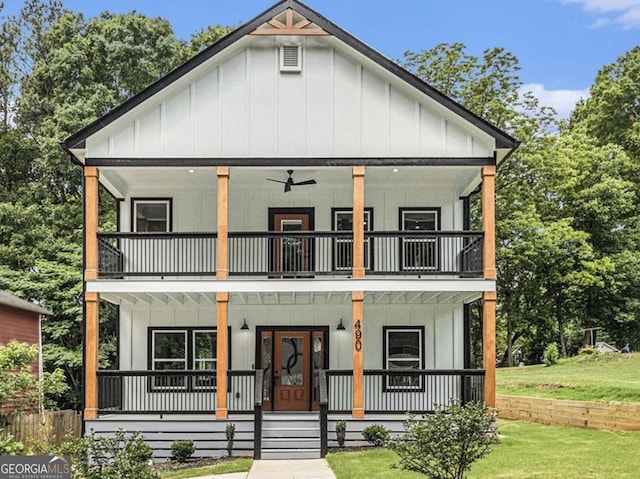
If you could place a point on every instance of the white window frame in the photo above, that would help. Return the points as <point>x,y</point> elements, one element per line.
<point>195,360</point>
<point>135,202</point>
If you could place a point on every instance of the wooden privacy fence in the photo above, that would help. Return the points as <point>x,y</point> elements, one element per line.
<point>558,412</point>
<point>57,424</point>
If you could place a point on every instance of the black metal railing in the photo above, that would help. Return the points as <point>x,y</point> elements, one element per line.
<point>323,406</point>
<point>257,414</point>
<point>425,252</point>
<point>156,254</point>
<point>295,254</point>
<point>162,392</point>
<point>401,391</point>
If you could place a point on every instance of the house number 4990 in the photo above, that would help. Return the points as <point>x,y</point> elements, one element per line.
<point>357,335</point>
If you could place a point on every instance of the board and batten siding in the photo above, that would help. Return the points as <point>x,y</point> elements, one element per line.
<point>443,325</point>
<point>194,209</point>
<point>241,105</point>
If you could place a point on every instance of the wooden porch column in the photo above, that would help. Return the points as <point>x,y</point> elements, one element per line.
<point>357,298</point>
<point>91,176</point>
<point>91,300</point>
<point>222,299</point>
<point>91,323</point>
<point>489,221</point>
<point>222,266</point>
<point>358,221</point>
<point>489,346</point>
<point>489,297</point>
<point>222,351</point>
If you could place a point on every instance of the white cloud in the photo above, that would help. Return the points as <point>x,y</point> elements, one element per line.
<point>562,101</point>
<point>612,12</point>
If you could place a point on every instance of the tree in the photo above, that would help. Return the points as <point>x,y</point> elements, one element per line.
<point>70,71</point>
<point>445,444</point>
<point>20,389</point>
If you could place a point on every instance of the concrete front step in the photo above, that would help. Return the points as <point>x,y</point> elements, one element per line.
<point>291,436</point>
<point>274,454</point>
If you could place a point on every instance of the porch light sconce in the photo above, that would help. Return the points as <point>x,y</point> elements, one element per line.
<point>245,326</point>
<point>341,326</point>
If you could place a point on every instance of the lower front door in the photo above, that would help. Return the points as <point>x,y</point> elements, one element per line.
<point>291,371</point>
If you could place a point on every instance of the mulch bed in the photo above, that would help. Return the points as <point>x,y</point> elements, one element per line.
<point>188,464</point>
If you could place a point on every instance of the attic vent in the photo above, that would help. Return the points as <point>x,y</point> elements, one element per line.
<point>290,58</point>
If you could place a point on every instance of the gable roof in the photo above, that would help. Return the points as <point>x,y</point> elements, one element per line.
<point>12,301</point>
<point>77,140</point>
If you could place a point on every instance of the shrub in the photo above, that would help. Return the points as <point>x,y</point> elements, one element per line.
<point>230,432</point>
<point>9,446</point>
<point>341,432</point>
<point>551,355</point>
<point>443,445</point>
<point>376,434</point>
<point>183,450</point>
<point>587,351</point>
<point>123,456</point>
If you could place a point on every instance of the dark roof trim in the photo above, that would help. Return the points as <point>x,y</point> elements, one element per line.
<point>12,301</point>
<point>503,140</point>
<point>275,161</point>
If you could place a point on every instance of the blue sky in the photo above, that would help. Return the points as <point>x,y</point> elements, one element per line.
<point>561,44</point>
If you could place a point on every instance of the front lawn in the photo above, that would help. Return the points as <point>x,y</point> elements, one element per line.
<point>527,451</point>
<point>601,377</point>
<point>224,467</point>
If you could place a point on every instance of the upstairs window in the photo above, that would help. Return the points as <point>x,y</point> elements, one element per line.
<point>151,215</point>
<point>419,252</point>
<point>343,247</point>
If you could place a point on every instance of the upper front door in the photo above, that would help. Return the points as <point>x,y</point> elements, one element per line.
<point>291,371</point>
<point>291,255</point>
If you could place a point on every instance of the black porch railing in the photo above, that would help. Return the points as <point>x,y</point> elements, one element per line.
<point>156,254</point>
<point>401,391</point>
<point>192,392</point>
<point>163,392</point>
<point>294,254</point>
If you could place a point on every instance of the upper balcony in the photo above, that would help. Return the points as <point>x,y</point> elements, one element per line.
<point>291,254</point>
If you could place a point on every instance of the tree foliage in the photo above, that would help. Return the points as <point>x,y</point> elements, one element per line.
<point>443,445</point>
<point>58,72</point>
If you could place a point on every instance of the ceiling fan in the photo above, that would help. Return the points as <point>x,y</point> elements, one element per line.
<point>289,183</point>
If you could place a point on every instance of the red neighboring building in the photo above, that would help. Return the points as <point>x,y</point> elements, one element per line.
<point>20,321</point>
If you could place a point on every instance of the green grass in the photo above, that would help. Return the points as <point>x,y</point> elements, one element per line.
<point>527,451</point>
<point>236,465</point>
<point>596,377</point>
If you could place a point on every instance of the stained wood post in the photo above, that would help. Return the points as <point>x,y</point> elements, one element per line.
<point>222,266</point>
<point>91,324</point>
<point>489,346</point>
<point>222,351</point>
<point>91,176</point>
<point>357,298</point>
<point>489,297</point>
<point>222,299</point>
<point>358,221</point>
<point>489,221</point>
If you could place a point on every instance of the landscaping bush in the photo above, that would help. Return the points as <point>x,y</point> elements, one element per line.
<point>123,456</point>
<point>551,355</point>
<point>443,445</point>
<point>9,446</point>
<point>230,432</point>
<point>376,434</point>
<point>341,432</point>
<point>183,450</point>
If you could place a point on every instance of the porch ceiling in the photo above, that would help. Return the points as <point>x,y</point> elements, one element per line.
<point>157,299</point>
<point>120,181</point>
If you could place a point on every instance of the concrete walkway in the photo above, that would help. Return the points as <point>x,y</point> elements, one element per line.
<point>294,469</point>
